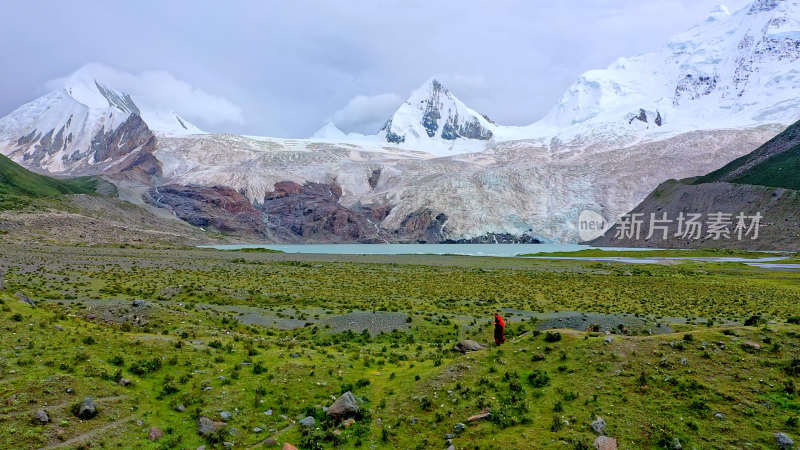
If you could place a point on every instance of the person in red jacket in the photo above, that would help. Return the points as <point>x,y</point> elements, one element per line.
<point>499,329</point>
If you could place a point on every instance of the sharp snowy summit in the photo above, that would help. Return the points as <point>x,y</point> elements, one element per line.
<point>433,112</point>
<point>439,170</point>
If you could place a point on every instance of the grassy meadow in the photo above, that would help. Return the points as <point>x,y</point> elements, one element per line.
<point>259,340</point>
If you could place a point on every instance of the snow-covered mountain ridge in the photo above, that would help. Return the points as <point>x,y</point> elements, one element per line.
<point>441,170</point>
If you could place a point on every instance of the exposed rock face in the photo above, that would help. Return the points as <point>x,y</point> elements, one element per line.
<point>642,117</point>
<point>219,207</point>
<point>423,227</point>
<point>124,139</point>
<point>312,213</point>
<point>496,238</point>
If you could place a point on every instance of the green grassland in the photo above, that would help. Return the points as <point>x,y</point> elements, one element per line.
<point>18,185</point>
<point>699,383</point>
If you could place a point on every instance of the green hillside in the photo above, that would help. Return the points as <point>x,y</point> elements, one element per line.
<point>774,164</point>
<point>18,185</point>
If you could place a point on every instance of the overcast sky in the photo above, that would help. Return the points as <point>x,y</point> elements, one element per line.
<point>284,68</point>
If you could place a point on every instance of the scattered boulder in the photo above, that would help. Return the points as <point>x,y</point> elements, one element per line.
<point>91,316</point>
<point>599,425</point>
<point>413,420</point>
<point>25,299</point>
<point>154,434</point>
<point>784,441</point>
<point>605,443</point>
<point>485,414</point>
<point>308,422</point>
<point>751,346</point>
<point>208,427</point>
<point>459,427</point>
<point>719,416</point>
<point>41,416</point>
<point>349,423</point>
<point>468,345</point>
<point>10,400</point>
<point>138,303</point>
<point>676,444</point>
<point>124,381</point>
<point>226,416</point>
<point>257,429</point>
<point>608,339</point>
<point>85,409</point>
<point>344,407</point>
<point>179,408</point>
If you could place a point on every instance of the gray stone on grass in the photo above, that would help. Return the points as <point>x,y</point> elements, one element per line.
<point>41,416</point>
<point>599,425</point>
<point>345,406</point>
<point>784,441</point>
<point>87,409</point>
<point>25,299</point>
<point>308,422</point>
<point>468,345</point>
<point>605,443</point>
<point>208,427</point>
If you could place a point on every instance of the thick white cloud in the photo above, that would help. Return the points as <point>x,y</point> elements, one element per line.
<point>163,89</point>
<point>366,114</point>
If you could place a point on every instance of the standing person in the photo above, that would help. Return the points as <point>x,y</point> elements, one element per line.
<point>499,329</point>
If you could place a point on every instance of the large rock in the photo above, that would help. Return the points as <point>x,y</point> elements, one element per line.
<point>468,345</point>
<point>207,427</point>
<point>24,299</point>
<point>605,443</point>
<point>599,425</point>
<point>784,441</point>
<point>344,407</point>
<point>41,416</point>
<point>87,409</point>
<point>154,434</point>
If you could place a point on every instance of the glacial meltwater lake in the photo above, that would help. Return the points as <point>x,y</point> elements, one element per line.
<point>502,250</point>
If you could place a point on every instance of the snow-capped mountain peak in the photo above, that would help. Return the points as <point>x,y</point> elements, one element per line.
<point>433,112</point>
<point>329,131</point>
<point>83,122</point>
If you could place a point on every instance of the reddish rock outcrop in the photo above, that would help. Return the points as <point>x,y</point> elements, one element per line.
<point>219,207</point>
